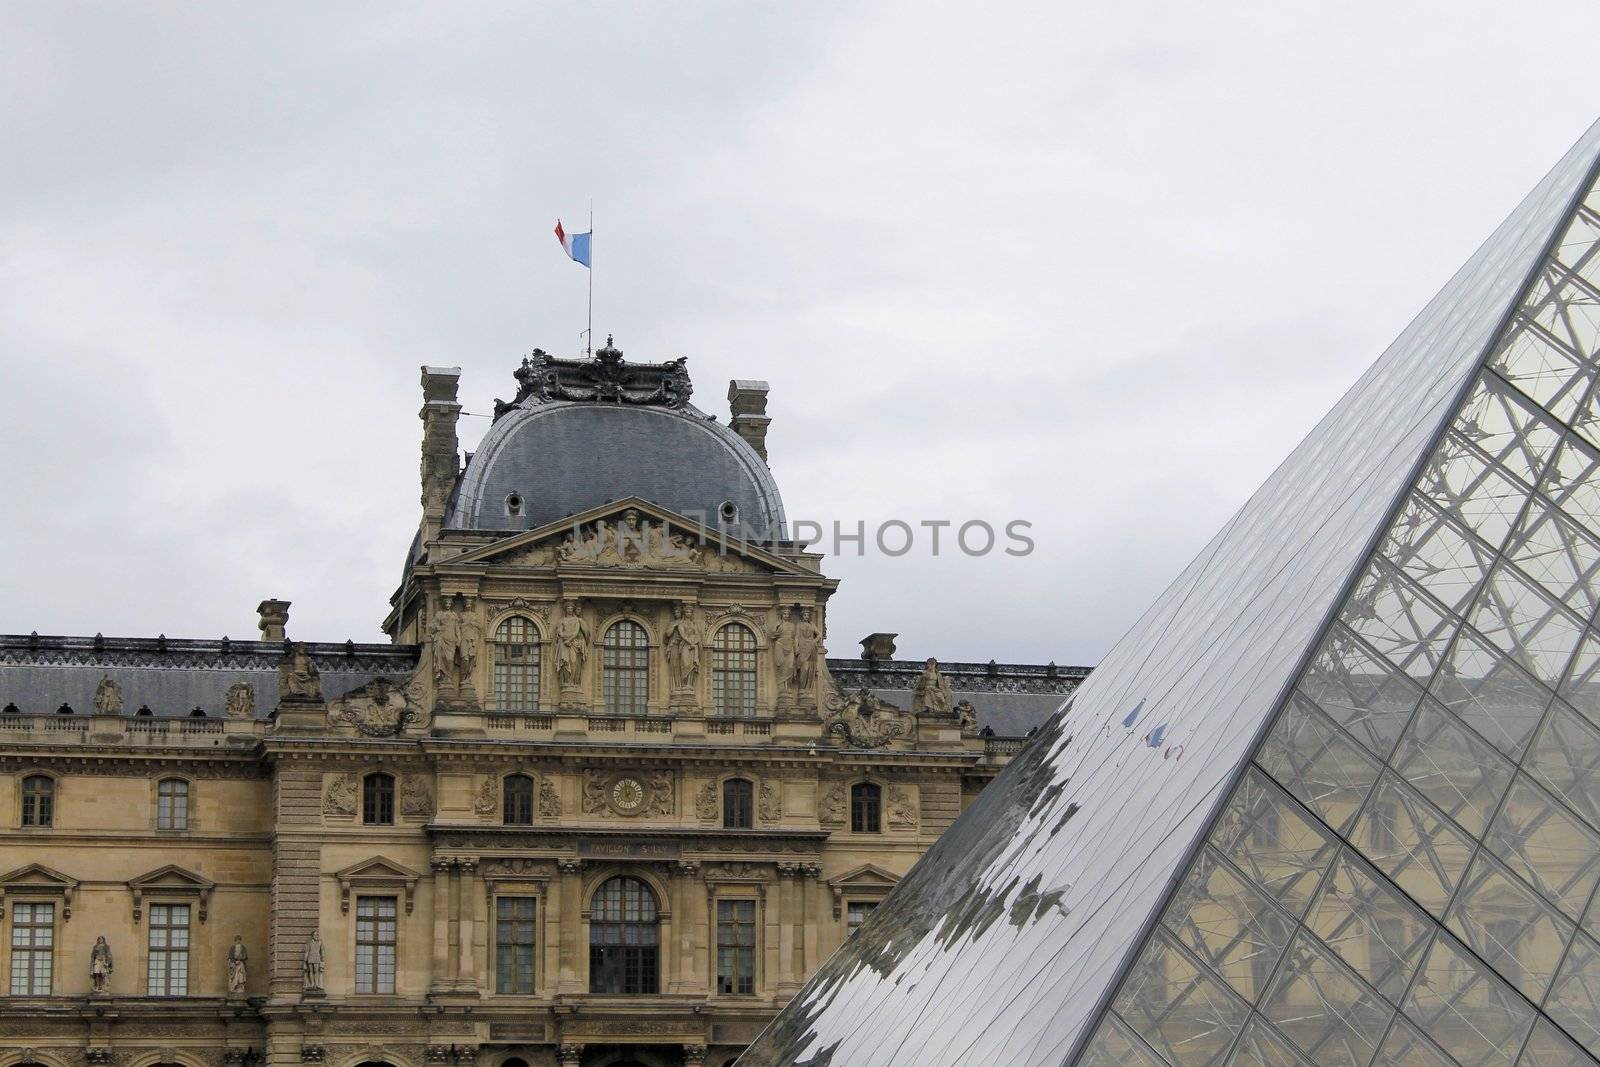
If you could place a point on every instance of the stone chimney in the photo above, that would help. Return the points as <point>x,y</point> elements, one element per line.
<point>440,464</point>
<point>747,408</point>
<point>878,648</point>
<point>274,619</point>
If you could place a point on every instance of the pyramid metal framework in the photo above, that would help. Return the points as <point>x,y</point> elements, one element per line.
<point>1335,799</point>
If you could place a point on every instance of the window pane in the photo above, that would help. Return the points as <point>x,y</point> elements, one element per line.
<point>625,668</point>
<point>1185,1013</point>
<point>1548,1047</point>
<point>1436,554</point>
<point>516,666</point>
<point>1509,927</point>
<point>1309,757</point>
<point>1546,847</point>
<point>1261,1046</point>
<point>1376,931</point>
<point>514,944</point>
<point>1234,929</point>
<point>1115,1046</point>
<point>1320,1005</point>
<point>1406,1046</point>
<point>1360,691</point>
<point>1393,616</point>
<point>733,671</point>
<point>1472,1015</point>
<point>1575,998</point>
<point>1565,759</point>
<point>1276,847</point>
<point>1526,624</point>
<point>1452,766</point>
<point>1491,694</point>
<point>1403,837</point>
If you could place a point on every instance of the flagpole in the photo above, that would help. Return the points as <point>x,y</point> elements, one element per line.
<point>590,331</point>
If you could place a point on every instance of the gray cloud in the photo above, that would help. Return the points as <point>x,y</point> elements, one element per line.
<point>1095,269</point>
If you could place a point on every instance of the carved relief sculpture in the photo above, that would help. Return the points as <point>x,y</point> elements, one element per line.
<point>108,697</point>
<point>381,708</point>
<point>771,808</point>
<point>683,642</point>
<point>660,795</point>
<point>864,721</point>
<point>240,703</point>
<point>930,693</point>
<point>902,809</point>
<point>834,804</point>
<point>416,798</point>
<point>572,647</point>
<point>487,800</point>
<point>549,800</point>
<point>705,802</point>
<point>629,543</point>
<point>100,964</point>
<point>298,680</point>
<point>340,799</point>
<point>311,964</point>
<point>238,957</point>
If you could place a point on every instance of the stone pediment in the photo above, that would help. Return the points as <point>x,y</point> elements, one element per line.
<point>35,879</point>
<point>170,881</point>
<point>868,880</point>
<point>377,873</point>
<point>630,535</point>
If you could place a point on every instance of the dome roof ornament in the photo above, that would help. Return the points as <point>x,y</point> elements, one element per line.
<point>607,378</point>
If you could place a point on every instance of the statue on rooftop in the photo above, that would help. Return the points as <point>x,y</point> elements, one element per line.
<point>930,693</point>
<point>298,679</point>
<point>108,697</point>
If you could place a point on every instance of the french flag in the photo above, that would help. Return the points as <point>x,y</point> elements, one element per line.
<point>575,245</point>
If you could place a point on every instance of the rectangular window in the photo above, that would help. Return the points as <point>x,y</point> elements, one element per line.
<point>33,937</point>
<point>169,951</point>
<point>172,804</point>
<point>375,941</point>
<point>513,944</point>
<point>855,914</point>
<point>736,947</point>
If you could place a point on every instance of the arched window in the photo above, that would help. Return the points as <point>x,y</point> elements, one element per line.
<point>38,800</point>
<point>624,953</point>
<point>516,666</point>
<point>625,668</point>
<point>517,800</point>
<point>377,800</point>
<point>733,670</point>
<point>738,804</point>
<point>866,808</point>
<point>172,804</point>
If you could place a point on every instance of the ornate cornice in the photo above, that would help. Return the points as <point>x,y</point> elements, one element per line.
<point>607,378</point>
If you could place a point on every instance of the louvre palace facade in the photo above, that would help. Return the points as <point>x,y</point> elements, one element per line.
<point>604,800</point>
<point>1334,801</point>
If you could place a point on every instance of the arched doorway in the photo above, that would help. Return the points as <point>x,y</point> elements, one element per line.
<point>624,938</point>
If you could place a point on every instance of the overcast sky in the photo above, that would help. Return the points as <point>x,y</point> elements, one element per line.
<point>1098,267</point>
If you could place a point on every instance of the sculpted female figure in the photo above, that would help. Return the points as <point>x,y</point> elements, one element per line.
<point>683,647</point>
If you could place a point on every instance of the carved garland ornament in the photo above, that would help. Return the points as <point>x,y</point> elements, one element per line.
<point>340,798</point>
<point>864,721</point>
<point>381,708</point>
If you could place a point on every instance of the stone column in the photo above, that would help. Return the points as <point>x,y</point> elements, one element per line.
<point>788,876</point>
<point>439,980</point>
<point>571,925</point>
<point>811,918</point>
<point>466,913</point>
<point>686,900</point>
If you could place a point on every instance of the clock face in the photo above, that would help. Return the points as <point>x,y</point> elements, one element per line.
<point>627,796</point>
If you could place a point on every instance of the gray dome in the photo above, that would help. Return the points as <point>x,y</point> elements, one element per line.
<point>558,457</point>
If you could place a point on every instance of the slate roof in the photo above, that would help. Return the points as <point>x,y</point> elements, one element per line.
<point>172,677</point>
<point>1011,698</point>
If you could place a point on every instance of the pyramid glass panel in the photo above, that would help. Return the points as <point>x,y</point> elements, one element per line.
<point>1328,801</point>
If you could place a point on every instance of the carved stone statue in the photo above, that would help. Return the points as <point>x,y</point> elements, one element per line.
<point>683,642</point>
<point>238,957</point>
<point>807,646</point>
<point>454,639</point>
<point>783,639</point>
<point>930,694</point>
<point>340,798</point>
<point>311,964</point>
<point>298,679</point>
<point>572,645</point>
<point>629,543</point>
<point>100,964</point>
<point>108,697</point>
<point>240,703</point>
<point>967,715</point>
<point>381,708</point>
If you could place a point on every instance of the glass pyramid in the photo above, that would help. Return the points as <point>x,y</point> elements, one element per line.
<point>1335,799</point>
